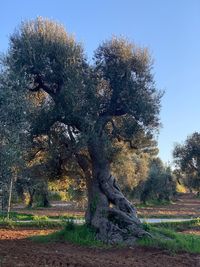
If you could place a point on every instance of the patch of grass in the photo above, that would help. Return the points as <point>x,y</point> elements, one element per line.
<point>165,238</point>
<point>17,216</point>
<point>67,217</point>
<point>44,224</point>
<point>161,216</point>
<point>29,217</point>
<point>78,234</point>
<point>154,202</point>
<point>40,218</point>
<point>7,223</point>
<point>179,226</point>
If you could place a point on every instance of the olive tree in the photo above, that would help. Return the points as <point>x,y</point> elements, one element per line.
<point>12,126</point>
<point>160,184</point>
<point>187,160</point>
<point>92,108</point>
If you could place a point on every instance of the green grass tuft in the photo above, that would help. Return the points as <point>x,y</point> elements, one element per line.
<point>179,226</point>
<point>78,234</point>
<point>154,203</point>
<point>17,216</point>
<point>39,224</point>
<point>165,238</point>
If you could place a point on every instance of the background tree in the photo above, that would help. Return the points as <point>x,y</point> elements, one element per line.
<point>131,168</point>
<point>160,184</point>
<point>187,159</point>
<point>12,129</point>
<point>91,108</point>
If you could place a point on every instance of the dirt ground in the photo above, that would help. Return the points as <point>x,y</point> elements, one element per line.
<point>185,205</point>
<point>16,250</point>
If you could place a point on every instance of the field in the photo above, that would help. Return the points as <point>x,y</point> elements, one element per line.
<point>16,249</point>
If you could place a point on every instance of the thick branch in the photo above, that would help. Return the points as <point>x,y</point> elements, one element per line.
<point>116,112</point>
<point>84,164</point>
<point>41,85</point>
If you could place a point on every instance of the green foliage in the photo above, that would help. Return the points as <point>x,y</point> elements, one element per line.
<point>179,226</point>
<point>160,185</point>
<point>163,236</point>
<point>46,224</point>
<point>12,127</point>
<point>154,203</point>
<point>78,234</point>
<point>70,226</point>
<point>40,218</point>
<point>43,47</point>
<point>67,189</point>
<point>130,168</point>
<point>18,216</point>
<point>168,239</point>
<point>14,216</point>
<point>187,159</point>
<point>119,88</point>
<point>58,196</point>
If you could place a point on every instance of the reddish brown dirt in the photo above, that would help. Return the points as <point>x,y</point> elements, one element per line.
<point>193,232</point>
<point>185,205</point>
<point>16,251</point>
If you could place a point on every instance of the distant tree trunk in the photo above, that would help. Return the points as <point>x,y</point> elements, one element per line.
<point>45,200</point>
<point>109,212</point>
<point>31,195</point>
<point>144,196</point>
<point>20,190</point>
<point>10,197</point>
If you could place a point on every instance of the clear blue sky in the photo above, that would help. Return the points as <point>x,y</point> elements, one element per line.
<point>170,28</point>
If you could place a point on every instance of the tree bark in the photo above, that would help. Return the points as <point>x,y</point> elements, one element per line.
<point>45,200</point>
<point>31,195</point>
<point>10,197</point>
<point>109,212</point>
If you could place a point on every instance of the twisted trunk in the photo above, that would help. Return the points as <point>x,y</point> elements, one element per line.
<point>109,212</point>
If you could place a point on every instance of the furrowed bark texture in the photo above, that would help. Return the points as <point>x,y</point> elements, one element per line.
<point>109,212</point>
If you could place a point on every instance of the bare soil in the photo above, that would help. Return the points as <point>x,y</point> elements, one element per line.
<point>186,205</point>
<point>17,250</point>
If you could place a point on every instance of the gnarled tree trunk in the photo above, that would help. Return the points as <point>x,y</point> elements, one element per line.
<point>109,212</point>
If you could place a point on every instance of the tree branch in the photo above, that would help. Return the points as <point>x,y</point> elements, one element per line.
<point>41,85</point>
